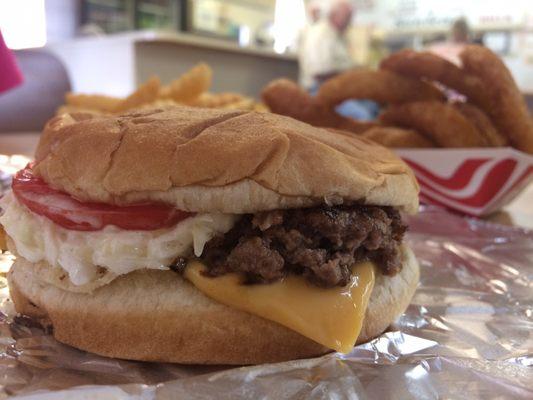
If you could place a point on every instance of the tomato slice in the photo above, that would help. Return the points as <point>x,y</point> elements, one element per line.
<point>73,214</point>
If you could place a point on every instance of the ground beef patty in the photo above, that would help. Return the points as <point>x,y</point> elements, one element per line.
<point>320,243</point>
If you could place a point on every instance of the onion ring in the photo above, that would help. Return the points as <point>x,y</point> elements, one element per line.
<point>425,65</point>
<point>440,122</point>
<point>507,107</point>
<point>285,97</point>
<point>484,125</point>
<point>389,136</point>
<point>384,87</point>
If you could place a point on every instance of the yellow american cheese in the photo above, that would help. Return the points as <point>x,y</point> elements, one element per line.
<point>332,317</point>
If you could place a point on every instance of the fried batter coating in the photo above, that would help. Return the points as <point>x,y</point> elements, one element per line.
<point>389,136</point>
<point>507,108</point>
<point>384,87</point>
<point>440,122</point>
<point>285,97</point>
<point>426,65</point>
<point>484,125</point>
<point>189,86</point>
<point>218,100</point>
<point>145,94</point>
<point>97,102</point>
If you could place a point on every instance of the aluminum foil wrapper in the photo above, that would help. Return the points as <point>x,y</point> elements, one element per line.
<point>468,334</point>
<point>8,166</point>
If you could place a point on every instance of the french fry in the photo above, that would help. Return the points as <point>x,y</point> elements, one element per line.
<point>223,99</point>
<point>3,244</point>
<point>205,100</point>
<point>261,107</point>
<point>190,89</point>
<point>68,109</point>
<point>92,102</point>
<point>160,103</point>
<point>217,100</point>
<point>145,94</point>
<point>190,85</point>
<point>244,104</point>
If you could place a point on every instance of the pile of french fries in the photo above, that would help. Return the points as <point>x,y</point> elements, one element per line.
<point>190,89</point>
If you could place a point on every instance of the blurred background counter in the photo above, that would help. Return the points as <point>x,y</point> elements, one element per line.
<point>116,64</point>
<point>244,37</point>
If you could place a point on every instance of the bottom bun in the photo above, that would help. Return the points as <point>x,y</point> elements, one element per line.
<point>157,316</point>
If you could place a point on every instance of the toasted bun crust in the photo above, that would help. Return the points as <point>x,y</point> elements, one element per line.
<point>218,160</point>
<point>157,316</point>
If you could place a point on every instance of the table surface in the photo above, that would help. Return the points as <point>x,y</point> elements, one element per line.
<point>518,213</point>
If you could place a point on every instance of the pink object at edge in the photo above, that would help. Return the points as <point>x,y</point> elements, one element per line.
<point>10,75</point>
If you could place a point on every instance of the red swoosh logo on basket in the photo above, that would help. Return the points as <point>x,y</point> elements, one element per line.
<point>429,199</point>
<point>488,188</point>
<point>460,178</point>
<point>519,180</point>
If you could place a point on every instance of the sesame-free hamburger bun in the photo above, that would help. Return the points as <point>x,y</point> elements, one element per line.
<point>203,162</point>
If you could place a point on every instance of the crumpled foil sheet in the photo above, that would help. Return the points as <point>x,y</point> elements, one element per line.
<point>468,334</point>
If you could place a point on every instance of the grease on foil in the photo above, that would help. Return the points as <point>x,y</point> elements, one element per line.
<point>468,334</point>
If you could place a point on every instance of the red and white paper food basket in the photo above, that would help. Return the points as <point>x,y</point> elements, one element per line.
<point>473,181</point>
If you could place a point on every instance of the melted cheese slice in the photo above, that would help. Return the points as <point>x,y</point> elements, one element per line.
<point>332,317</point>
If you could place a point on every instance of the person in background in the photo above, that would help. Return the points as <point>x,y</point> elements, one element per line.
<point>450,49</point>
<point>314,14</point>
<point>325,51</point>
<point>314,11</point>
<point>459,37</point>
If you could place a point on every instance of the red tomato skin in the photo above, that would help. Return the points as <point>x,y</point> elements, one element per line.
<point>70,213</point>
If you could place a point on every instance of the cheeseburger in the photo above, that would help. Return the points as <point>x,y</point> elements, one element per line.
<point>209,236</point>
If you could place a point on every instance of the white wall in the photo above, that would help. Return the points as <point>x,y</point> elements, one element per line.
<point>99,65</point>
<point>62,19</point>
<point>422,14</point>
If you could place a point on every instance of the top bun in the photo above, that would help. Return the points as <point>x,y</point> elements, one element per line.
<point>210,160</point>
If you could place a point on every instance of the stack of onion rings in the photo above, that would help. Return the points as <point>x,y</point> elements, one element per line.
<point>285,97</point>
<point>419,92</point>
<point>507,107</point>
<point>440,122</point>
<point>390,136</point>
<point>383,87</point>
